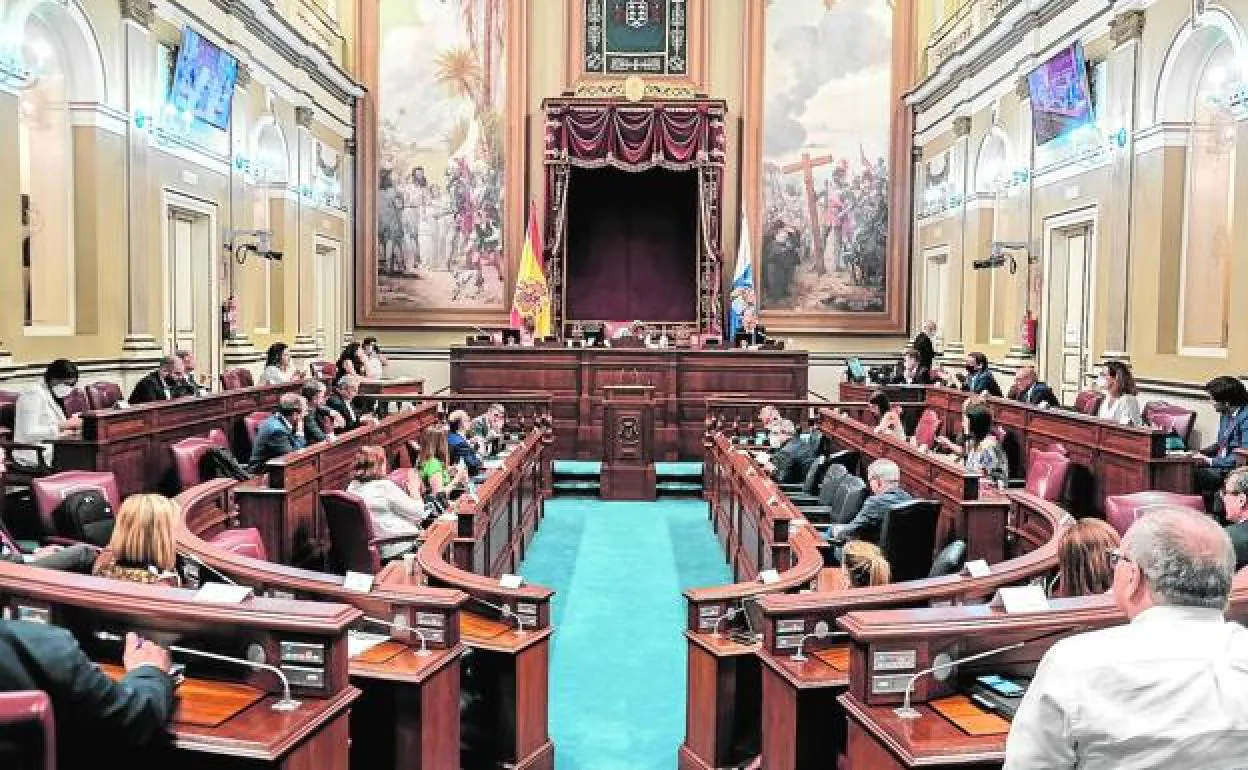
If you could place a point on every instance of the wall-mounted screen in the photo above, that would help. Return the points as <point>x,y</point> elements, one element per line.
<point>203,80</point>
<point>1061,100</point>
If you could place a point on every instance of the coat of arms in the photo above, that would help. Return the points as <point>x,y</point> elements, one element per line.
<point>637,14</point>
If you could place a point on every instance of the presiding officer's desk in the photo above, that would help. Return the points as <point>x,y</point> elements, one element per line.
<point>133,443</point>
<point>224,717</point>
<point>683,379</point>
<point>1107,458</point>
<point>802,724</point>
<point>408,714</point>
<point>888,646</point>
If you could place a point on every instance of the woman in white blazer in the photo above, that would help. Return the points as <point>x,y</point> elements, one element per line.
<point>39,415</point>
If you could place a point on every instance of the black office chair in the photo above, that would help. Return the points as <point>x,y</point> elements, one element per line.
<point>846,501</point>
<point>814,477</point>
<point>908,538</point>
<point>950,559</point>
<point>832,474</point>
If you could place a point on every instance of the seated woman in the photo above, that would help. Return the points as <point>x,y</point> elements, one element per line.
<point>435,464</point>
<point>351,361</point>
<point>887,417</point>
<point>864,564</point>
<point>1083,561</point>
<point>395,510</point>
<point>278,370</point>
<point>40,414</point>
<point>957,445</point>
<point>142,548</point>
<point>985,455</point>
<point>1121,404</point>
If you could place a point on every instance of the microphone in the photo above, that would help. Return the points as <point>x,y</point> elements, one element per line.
<point>505,611</point>
<point>906,712</point>
<point>199,562</point>
<point>424,643</point>
<point>821,632</point>
<point>286,703</point>
<point>729,615</point>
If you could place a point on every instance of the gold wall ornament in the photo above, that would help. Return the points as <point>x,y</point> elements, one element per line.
<point>589,89</point>
<point>634,88</point>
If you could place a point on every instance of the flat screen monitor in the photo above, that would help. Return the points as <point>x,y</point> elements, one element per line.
<point>856,370</point>
<point>1061,99</point>
<point>511,336</point>
<point>203,80</point>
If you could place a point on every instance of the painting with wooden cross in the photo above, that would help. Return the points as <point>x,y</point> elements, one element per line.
<point>642,37</point>
<point>825,173</point>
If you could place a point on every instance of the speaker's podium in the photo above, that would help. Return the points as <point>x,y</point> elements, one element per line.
<point>628,442</point>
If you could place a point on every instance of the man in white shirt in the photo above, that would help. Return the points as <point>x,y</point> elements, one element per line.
<point>1169,689</point>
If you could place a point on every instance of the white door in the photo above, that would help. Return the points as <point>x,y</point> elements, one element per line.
<point>329,296</point>
<point>191,292</point>
<point>1067,354</point>
<point>935,285</point>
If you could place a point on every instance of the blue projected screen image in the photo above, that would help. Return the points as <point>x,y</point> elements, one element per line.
<point>203,80</point>
<point>1061,99</point>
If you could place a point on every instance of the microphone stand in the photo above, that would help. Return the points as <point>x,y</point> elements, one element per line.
<point>729,615</point>
<point>906,712</point>
<point>424,643</point>
<point>286,703</point>
<point>505,611</point>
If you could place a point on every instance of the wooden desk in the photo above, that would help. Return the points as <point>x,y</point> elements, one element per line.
<point>388,386</point>
<point>134,443</point>
<point>312,735</point>
<point>964,514</point>
<point>878,739</point>
<point>683,380</point>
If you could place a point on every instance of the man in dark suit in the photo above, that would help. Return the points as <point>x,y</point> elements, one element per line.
<point>912,370</point>
<point>191,379</point>
<point>458,445</point>
<point>282,433</point>
<point>342,400</point>
<point>95,716</point>
<point>1230,401</point>
<point>884,478</point>
<point>791,456</point>
<point>979,377</point>
<point>924,345</point>
<point>752,334</point>
<point>165,383</point>
<point>1234,495</point>
<point>321,422</point>
<point>1029,389</point>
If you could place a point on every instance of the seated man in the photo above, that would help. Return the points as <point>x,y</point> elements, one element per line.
<point>978,378</point>
<point>884,479</point>
<point>486,430</point>
<point>752,334</point>
<point>458,445</point>
<point>1230,401</point>
<point>321,422</point>
<point>341,402</point>
<point>791,456</point>
<point>1028,389</point>
<point>95,716</point>
<point>191,379</point>
<point>1235,506</point>
<point>167,382</point>
<point>912,370</point>
<point>282,433</point>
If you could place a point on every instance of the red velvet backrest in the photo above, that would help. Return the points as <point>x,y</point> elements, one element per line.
<point>31,707</point>
<point>350,533</point>
<point>1046,474</point>
<point>929,425</point>
<point>76,402</point>
<point>324,370</point>
<point>1121,511</point>
<point>245,379</point>
<point>49,491</point>
<point>229,380</point>
<point>1088,401</point>
<point>188,453</point>
<point>252,423</point>
<point>1167,416</point>
<point>103,395</point>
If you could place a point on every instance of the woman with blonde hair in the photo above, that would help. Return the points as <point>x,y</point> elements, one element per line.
<point>395,510</point>
<point>435,461</point>
<point>142,548</point>
<point>1084,566</point>
<point>864,564</point>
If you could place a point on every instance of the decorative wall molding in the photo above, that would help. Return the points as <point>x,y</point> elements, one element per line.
<point>138,12</point>
<point>1126,27</point>
<point>303,117</point>
<point>961,126</point>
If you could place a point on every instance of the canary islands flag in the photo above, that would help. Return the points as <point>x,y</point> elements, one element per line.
<point>743,299</point>
<point>531,300</point>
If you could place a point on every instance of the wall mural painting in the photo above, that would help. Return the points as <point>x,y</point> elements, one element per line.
<point>643,37</point>
<point>441,107</point>
<point>825,186</point>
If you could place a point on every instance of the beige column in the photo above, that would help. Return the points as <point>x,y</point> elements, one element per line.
<point>347,289</point>
<point>143,318</point>
<point>954,318</point>
<point>1124,32</point>
<point>304,243</point>
<point>1019,230</point>
<point>238,350</point>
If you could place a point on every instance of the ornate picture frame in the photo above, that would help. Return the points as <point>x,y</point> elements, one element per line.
<point>369,310</point>
<point>686,44</point>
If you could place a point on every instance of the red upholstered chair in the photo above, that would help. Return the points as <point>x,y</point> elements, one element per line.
<point>229,380</point>
<point>1047,472</point>
<point>1170,417</point>
<point>188,453</point>
<point>252,424</point>
<point>244,541</point>
<point>1088,401</point>
<point>244,378</point>
<point>353,543</point>
<point>324,370</point>
<point>49,491</point>
<point>28,716</point>
<point>1121,511</point>
<point>76,402</point>
<point>927,429</point>
<point>103,395</point>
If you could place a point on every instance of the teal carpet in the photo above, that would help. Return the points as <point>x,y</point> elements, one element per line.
<point>617,680</point>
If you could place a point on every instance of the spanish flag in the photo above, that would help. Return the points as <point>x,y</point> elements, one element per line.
<point>531,300</point>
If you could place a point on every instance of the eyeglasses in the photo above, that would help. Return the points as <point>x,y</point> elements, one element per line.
<point>1116,555</point>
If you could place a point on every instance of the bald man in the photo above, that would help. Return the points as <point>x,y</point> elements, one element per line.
<point>1030,390</point>
<point>1167,689</point>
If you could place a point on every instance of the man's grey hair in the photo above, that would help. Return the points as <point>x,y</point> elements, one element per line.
<point>1185,557</point>
<point>1237,482</point>
<point>312,388</point>
<point>497,409</point>
<point>784,426</point>
<point>885,470</point>
<point>291,403</point>
<point>929,326</point>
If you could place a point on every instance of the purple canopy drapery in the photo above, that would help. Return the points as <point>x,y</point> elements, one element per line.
<point>678,136</point>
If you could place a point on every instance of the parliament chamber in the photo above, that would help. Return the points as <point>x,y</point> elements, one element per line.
<point>594,384</point>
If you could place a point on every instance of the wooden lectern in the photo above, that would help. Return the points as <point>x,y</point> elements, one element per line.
<point>628,443</point>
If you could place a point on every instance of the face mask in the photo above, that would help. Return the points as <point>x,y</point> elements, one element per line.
<point>61,390</point>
